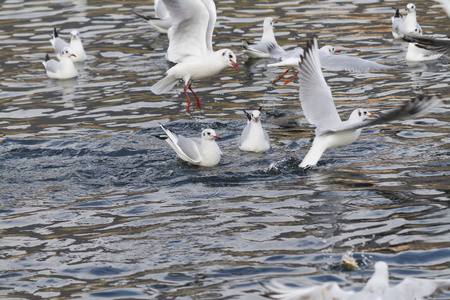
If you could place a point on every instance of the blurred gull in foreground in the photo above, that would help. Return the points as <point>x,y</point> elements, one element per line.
<point>377,288</point>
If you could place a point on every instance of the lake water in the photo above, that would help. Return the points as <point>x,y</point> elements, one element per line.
<point>93,206</point>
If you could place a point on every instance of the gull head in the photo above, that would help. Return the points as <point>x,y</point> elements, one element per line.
<point>209,135</point>
<point>230,58</point>
<point>329,49</point>
<point>256,115</point>
<point>74,34</point>
<point>66,52</point>
<point>410,7</point>
<point>268,23</point>
<point>360,114</point>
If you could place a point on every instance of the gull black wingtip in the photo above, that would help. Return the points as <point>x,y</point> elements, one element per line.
<point>143,16</point>
<point>249,117</point>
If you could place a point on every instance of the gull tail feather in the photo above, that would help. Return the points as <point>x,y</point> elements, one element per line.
<point>164,85</point>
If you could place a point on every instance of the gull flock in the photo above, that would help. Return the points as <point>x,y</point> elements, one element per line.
<point>189,25</point>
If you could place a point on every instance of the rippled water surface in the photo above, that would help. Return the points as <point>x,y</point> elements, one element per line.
<point>93,206</point>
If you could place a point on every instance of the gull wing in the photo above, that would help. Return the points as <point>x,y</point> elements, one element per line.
<point>414,108</point>
<point>326,291</point>
<point>211,7</point>
<point>430,43</point>
<point>315,95</point>
<point>417,288</point>
<point>348,63</point>
<point>186,148</point>
<point>187,36</point>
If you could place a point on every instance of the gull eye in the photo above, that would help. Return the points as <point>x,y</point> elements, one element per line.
<point>359,113</point>
<point>230,56</point>
<point>365,112</point>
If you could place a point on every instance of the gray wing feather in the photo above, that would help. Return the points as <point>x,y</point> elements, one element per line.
<point>414,108</point>
<point>430,43</point>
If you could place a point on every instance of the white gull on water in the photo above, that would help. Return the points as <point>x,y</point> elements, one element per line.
<point>62,69</point>
<point>190,38</point>
<point>75,45</point>
<point>319,109</point>
<point>254,138</point>
<point>202,151</point>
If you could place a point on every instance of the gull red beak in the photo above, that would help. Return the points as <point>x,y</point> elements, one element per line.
<point>336,50</point>
<point>216,137</point>
<point>372,116</point>
<point>256,118</point>
<point>73,55</point>
<point>235,65</point>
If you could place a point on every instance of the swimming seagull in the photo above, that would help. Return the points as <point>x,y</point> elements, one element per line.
<point>162,21</point>
<point>319,109</point>
<point>197,151</point>
<point>267,46</point>
<point>408,25</point>
<point>376,288</point>
<point>190,38</point>
<point>76,46</point>
<point>254,138</point>
<point>63,69</point>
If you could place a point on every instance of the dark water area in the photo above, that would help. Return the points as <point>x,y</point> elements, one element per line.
<point>93,206</point>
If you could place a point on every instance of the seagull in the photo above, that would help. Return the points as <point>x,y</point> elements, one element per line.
<point>162,21</point>
<point>376,288</point>
<point>408,25</point>
<point>330,61</point>
<point>75,45</point>
<point>254,138</point>
<point>63,69</point>
<point>319,109</point>
<point>190,40</point>
<point>267,46</point>
<point>197,151</point>
<point>437,45</point>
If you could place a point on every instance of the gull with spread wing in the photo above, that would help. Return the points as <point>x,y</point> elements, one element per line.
<point>319,109</point>
<point>190,44</point>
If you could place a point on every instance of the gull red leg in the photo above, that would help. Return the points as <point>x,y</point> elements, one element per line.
<point>196,97</point>
<point>188,109</point>
<point>292,78</point>
<point>281,76</point>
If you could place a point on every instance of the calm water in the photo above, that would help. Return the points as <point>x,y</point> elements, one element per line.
<point>94,207</point>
